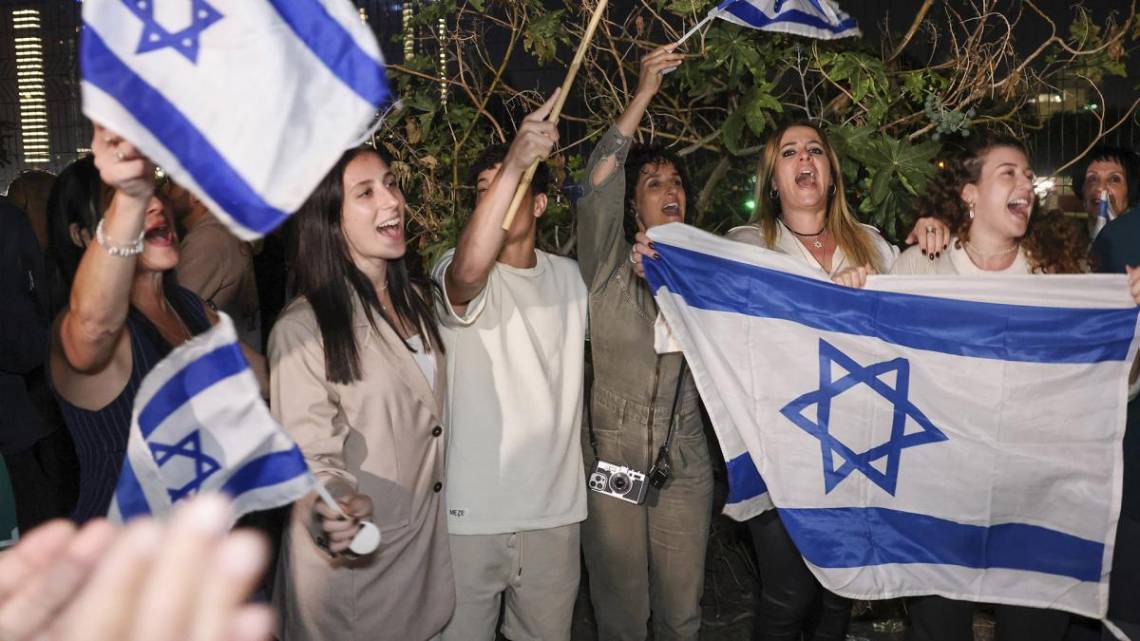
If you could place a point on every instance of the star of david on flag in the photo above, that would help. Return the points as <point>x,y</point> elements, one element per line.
<point>199,424</point>
<point>870,376</point>
<point>245,104</point>
<point>184,41</point>
<point>918,436</point>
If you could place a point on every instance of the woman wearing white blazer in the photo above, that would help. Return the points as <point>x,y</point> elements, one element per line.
<point>357,379</point>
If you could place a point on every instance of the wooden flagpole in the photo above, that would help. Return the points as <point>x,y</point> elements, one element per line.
<point>556,110</point>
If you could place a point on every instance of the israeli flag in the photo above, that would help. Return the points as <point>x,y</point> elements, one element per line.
<point>812,18</point>
<point>199,425</point>
<point>1104,213</point>
<point>245,103</point>
<point>943,435</point>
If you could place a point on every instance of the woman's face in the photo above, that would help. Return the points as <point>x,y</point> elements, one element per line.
<point>659,196</point>
<point>802,174</point>
<point>160,241</point>
<point>1003,196</point>
<point>1105,175</point>
<point>372,216</point>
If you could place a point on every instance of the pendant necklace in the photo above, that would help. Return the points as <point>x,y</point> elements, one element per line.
<point>815,241</point>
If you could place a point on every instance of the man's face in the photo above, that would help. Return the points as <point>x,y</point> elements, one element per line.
<point>522,224</point>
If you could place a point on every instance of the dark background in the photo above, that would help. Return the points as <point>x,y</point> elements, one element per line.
<point>69,133</point>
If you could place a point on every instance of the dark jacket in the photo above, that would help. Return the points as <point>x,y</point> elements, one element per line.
<point>24,331</point>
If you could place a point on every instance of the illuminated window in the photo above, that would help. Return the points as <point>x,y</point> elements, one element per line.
<point>30,86</point>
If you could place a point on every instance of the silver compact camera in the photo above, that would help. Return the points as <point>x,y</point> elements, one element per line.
<point>619,482</point>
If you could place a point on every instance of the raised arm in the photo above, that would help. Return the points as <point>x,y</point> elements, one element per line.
<point>601,236</point>
<point>483,237</point>
<point>100,296</point>
<point>653,69</point>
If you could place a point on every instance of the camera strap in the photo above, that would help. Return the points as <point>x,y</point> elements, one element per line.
<point>667,447</point>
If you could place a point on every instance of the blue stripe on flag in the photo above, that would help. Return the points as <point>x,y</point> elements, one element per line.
<point>744,480</point>
<point>957,327</point>
<point>756,18</point>
<point>196,376</point>
<point>210,169</point>
<point>265,471</point>
<point>129,494</point>
<point>335,47</point>
<point>879,536</point>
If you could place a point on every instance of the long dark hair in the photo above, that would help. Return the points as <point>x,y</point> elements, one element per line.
<point>1052,244</point>
<point>325,275</point>
<point>80,197</point>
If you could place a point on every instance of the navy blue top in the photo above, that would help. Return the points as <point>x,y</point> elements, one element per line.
<point>101,435</point>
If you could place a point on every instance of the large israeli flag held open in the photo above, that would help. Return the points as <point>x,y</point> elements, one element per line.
<point>247,103</point>
<point>199,425</point>
<point>927,435</point>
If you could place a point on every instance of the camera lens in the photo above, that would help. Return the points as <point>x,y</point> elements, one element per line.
<point>620,482</point>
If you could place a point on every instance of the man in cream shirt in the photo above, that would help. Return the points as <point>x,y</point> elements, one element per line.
<point>514,323</point>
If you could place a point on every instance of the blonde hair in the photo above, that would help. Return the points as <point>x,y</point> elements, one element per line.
<point>855,242</point>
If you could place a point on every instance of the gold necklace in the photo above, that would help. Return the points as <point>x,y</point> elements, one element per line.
<point>982,254</point>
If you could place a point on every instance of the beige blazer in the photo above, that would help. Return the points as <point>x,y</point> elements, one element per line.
<point>384,435</point>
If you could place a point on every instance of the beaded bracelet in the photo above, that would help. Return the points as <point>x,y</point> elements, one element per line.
<point>124,251</point>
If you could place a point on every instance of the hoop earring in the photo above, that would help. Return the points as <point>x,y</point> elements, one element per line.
<point>831,192</point>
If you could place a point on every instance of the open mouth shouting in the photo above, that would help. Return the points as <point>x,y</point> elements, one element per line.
<point>160,234</point>
<point>806,178</point>
<point>672,210</point>
<point>391,228</point>
<point>1020,207</point>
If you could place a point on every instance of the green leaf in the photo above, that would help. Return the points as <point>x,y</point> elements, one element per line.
<point>542,35</point>
<point>880,186</point>
<point>732,133</point>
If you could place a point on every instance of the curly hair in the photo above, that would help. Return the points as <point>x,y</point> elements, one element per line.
<point>640,156</point>
<point>1052,243</point>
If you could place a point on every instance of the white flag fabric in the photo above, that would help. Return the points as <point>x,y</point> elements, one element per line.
<point>812,18</point>
<point>247,104</point>
<point>942,435</point>
<point>199,425</point>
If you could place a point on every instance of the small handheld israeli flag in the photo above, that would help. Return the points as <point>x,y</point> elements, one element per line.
<point>811,18</point>
<point>1104,213</point>
<point>246,104</point>
<point>199,424</point>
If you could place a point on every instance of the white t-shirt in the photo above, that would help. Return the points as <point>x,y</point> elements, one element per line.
<point>515,363</point>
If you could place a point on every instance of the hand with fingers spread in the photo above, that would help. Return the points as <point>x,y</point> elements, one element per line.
<point>932,236</point>
<point>654,66</point>
<point>536,136</point>
<point>854,277</point>
<point>188,579</point>
<point>41,575</point>
<point>642,250</point>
